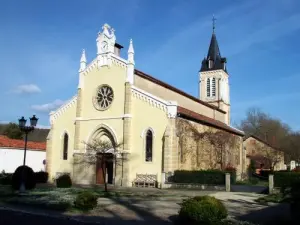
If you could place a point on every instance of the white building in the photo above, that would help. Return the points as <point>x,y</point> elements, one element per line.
<point>12,154</point>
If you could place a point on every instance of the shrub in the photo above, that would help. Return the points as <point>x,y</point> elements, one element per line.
<point>297,169</point>
<point>253,180</point>
<point>295,200</point>
<point>199,177</point>
<point>23,174</point>
<point>285,179</point>
<point>5,178</point>
<point>41,177</point>
<point>85,201</point>
<point>202,210</point>
<point>64,181</point>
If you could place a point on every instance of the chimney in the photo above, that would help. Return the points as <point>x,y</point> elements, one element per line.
<point>117,49</point>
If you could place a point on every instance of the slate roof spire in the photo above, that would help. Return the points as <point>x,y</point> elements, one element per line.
<point>214,60</point>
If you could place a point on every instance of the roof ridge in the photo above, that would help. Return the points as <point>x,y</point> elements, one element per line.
<point>210,121</point>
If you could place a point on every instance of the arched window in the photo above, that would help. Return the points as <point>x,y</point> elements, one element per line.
<point>208,87</point>
<point>213,87</point>
<point>65,147</point>
<point>149,146</point>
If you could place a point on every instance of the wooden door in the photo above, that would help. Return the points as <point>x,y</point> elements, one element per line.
<point>99,172</point>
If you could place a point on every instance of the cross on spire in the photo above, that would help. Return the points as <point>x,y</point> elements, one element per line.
<point>214,23</point>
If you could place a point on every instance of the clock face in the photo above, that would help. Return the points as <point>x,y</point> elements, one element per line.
<point>104,46</point>
<point>104,97</point>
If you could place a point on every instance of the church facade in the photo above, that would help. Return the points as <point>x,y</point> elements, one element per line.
<point>158,128</point>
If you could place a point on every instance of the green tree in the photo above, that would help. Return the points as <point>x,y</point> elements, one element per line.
<point>13,131</point>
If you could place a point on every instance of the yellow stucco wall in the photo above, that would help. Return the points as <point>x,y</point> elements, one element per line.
<point>146,115</point>
<point>183,101</point>
<point>63,123</point>
<point>91,118</point>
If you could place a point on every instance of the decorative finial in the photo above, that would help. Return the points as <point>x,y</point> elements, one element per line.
<point>214,23</point>
<point>83,57</point>
<point>130,49</point>
<point>82,61</point>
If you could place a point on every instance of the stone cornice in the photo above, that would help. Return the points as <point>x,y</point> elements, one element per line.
<point>170,107</point>
<point>55,114</point>
<point>103,118</point>
<point>116,60</point>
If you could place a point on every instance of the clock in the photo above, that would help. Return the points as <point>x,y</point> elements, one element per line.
<point>104,46</point>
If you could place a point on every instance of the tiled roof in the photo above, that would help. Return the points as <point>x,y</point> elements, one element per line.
<point>262,141</point>
<point>19,144</point>
<point>206,120</point>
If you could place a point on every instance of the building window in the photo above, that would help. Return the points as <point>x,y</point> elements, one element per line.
<point>65,147</point>
<point>213,87</point>
<point>149,146</point>
<point>208,87</point>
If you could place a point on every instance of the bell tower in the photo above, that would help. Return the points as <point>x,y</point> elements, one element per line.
<point>106,41</point>
<point>214,78</point>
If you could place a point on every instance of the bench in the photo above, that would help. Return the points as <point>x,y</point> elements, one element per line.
<point>145,180</point>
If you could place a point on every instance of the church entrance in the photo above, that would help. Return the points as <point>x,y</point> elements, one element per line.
<point>104,168</point>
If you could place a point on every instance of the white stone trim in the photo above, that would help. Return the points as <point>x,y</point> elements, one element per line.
<point>119,58</point>
<point>105,126</point>
<point>63,134</point>
<point>55,114</point>
<point>170,107</point>
<point>76,151</point>
<point>90,67</point>
<point>237,129</point>
<point>146,129</point>
<point>103,118</point>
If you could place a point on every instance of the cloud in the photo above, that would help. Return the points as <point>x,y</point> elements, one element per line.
<point>26,89</point>
<point>48,106</point>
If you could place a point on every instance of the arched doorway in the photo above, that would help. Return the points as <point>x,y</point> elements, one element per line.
<point>102,142</point>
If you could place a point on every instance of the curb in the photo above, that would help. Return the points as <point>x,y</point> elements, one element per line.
<point>65,217</point>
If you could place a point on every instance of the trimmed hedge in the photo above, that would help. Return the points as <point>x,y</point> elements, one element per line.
<point>5,178</point>
<point>85,201</point>
<point>41,177</point>
<point>202,210</point>
<point>286,179</point>
<point>23,173</point>
<point>64,181</point>
<point>215,177</point>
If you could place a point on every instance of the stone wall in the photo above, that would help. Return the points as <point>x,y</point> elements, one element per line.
<point>204,147</point>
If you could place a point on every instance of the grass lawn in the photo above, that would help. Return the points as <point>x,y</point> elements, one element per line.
<point>274,198</point>
<point>62,199</point>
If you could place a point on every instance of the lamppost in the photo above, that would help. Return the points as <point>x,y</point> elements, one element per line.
<point>26,130</point>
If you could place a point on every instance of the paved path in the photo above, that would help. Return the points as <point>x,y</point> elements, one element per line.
<point>123,211</point>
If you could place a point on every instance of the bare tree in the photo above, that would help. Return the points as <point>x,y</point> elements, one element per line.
<point>100,151</point>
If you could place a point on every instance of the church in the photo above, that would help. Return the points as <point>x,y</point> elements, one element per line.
<point>158,128</point>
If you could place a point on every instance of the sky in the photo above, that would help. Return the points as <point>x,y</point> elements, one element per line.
<point>41,43</point>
